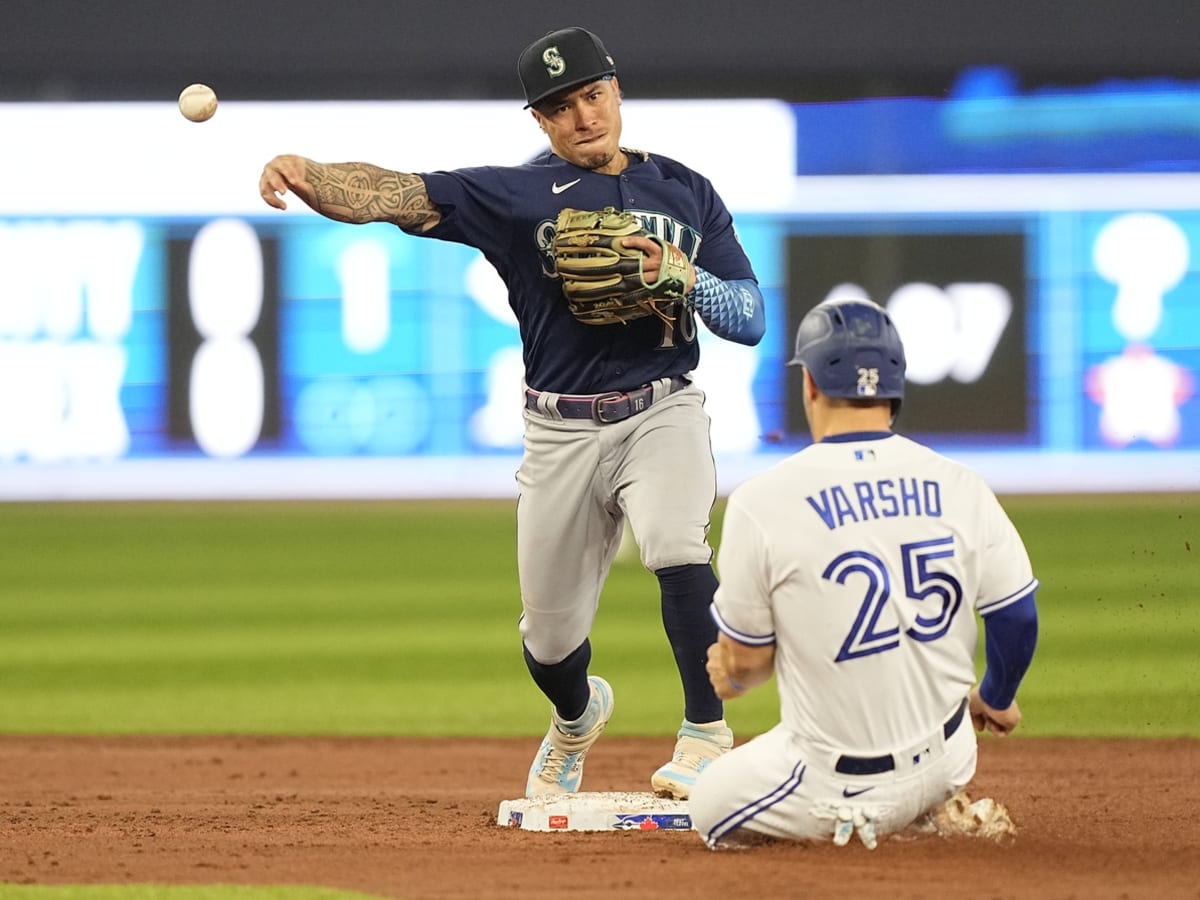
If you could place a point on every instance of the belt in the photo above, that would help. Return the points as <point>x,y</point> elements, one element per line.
<point>614,406</point>
<point>876,765</point>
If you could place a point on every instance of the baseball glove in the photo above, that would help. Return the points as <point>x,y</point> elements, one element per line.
<point>603,280</point>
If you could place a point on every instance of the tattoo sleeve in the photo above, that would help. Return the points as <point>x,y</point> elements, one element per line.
<point>358,192</point>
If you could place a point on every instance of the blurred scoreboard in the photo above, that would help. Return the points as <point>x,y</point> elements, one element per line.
<point>1045,315</point>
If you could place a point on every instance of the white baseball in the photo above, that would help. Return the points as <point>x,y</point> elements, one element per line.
<point>198,102</point>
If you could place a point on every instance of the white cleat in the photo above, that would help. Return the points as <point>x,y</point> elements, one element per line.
<point>558,766</point>
<point>695,748</point>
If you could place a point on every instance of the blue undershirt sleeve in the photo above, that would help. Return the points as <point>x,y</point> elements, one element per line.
<point>732,309</point>
<point>1010,638</point>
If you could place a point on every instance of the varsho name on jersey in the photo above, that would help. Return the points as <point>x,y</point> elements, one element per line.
<point>884,498</point>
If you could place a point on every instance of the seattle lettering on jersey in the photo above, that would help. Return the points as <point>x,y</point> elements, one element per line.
<point>671,230</point>
<point>884,498</point>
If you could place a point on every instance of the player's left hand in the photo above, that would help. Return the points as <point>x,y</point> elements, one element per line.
<point>1000,722</point>
<point>654,257</point>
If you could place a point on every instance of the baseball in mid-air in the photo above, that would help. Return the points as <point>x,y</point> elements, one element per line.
<point>198,102</point>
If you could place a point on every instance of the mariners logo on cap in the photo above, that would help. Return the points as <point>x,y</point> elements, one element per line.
<point>562,60</point>
<point>555,64</point>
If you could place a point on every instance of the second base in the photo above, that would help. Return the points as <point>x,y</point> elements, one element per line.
<point>595,811</point>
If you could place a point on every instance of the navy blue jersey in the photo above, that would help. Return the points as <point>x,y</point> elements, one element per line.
<point>508,213</point>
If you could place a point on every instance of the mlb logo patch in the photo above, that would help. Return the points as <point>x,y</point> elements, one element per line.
<point>868,382</point>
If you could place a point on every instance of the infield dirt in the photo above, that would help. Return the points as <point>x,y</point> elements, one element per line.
<point>416,819</point>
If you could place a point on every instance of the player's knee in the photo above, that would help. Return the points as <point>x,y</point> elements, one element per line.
<point>549,639</point>
<point>669,550</point>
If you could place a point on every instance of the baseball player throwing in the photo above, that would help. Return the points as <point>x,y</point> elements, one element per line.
<point>852,571</point>
<point>614,427</point>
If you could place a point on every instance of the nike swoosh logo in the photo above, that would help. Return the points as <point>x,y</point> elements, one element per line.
<point>847,793</point>
<point>559,188</point>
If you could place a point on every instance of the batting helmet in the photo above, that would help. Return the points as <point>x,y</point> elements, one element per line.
<point>852,349</point>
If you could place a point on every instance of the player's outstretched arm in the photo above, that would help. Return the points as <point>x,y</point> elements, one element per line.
<point>351,192</point>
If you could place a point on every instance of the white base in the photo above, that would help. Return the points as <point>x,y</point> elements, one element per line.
<point>595,811</point>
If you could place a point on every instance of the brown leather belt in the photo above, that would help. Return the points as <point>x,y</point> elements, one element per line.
<point>614,406</point>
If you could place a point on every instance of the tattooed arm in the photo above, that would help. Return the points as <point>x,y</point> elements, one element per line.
<point>350,192</point>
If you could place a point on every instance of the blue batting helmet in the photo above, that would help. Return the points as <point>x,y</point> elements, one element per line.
<point>852,349</point>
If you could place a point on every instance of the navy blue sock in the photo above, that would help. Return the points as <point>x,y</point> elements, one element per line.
<point>564,683</point>
<point>687,593</point>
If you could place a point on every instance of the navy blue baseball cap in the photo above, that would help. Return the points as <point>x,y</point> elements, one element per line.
<point>562,59</point>
<point>852,349</point>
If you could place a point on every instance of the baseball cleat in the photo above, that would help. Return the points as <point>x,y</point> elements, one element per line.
<point>558,766</point>
<point>695,748</point>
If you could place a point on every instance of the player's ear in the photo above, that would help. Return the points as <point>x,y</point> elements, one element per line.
<point>810,387</point>
<point>537,117</point>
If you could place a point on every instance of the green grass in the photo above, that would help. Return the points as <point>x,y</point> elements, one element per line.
<point>1119,612</point>
<point>400,618</point>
